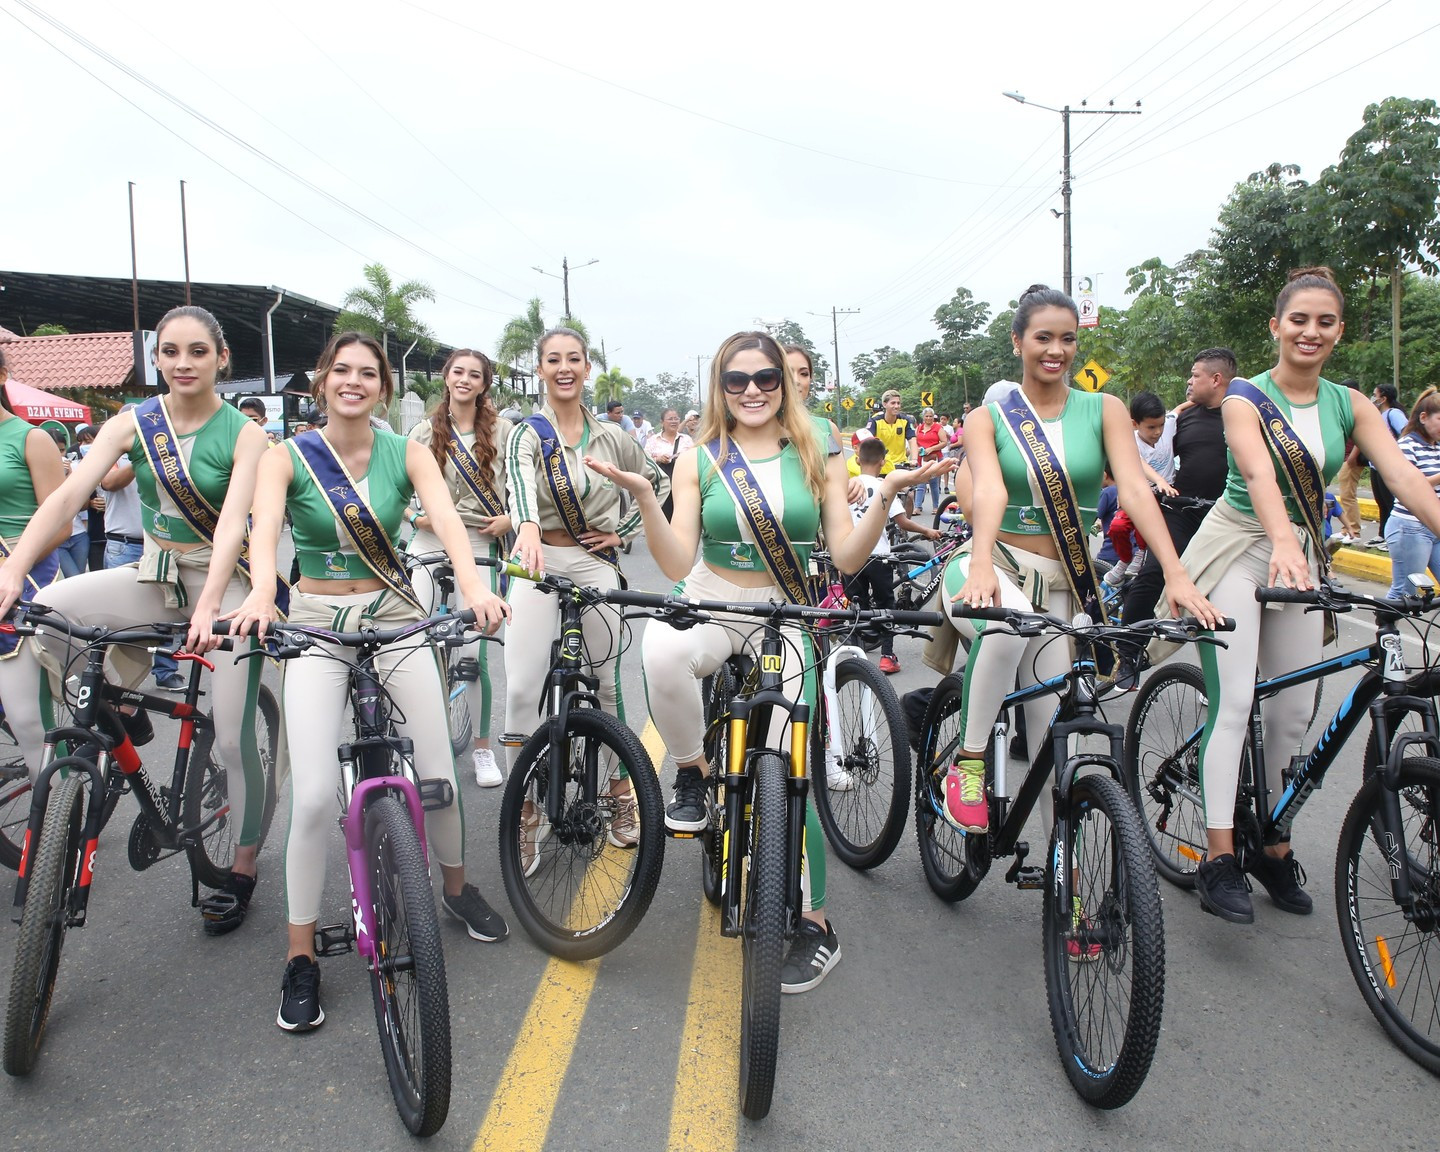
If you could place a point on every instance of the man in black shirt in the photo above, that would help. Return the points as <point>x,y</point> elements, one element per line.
<point>1200,451</point>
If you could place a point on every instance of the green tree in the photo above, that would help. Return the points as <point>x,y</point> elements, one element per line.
<point>520,335</point>
<point>612,385</point>
<point>790,332</point>
<point>51,330</point>
<point>428,388</point>
<point>1382,196</point>
<point>383,309</point>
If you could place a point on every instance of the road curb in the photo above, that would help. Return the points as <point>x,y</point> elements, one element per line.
<point>1367,565</point>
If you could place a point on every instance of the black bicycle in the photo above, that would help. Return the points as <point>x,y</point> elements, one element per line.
<point>191,814</point>
<point>753,844</point>
<point>1387,865</point>
<point>582,837</point>
<point>1103,932</point>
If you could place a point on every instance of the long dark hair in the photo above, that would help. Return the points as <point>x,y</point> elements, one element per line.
<point>4,375</point>
<point>485,415</point>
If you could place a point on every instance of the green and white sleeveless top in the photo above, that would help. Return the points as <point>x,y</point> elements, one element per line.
<point>1078,437</point>
<point>323,551</point>
<point>17,490</point>
<point>726,541</point>
<point>1323,427</point>
<point>209,454</point>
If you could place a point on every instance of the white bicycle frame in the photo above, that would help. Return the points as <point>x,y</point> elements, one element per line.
<point>871,719</point>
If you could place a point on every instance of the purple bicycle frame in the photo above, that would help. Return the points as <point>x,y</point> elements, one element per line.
<point>361,896</point>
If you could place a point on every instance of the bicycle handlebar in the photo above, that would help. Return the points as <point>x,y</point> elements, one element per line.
<point>1033,623</point>
<point>27,619</point>
<point>290,640</point>
<point>685,606</point>
<point>1333,598</point>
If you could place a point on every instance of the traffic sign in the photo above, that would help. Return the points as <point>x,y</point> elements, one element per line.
<point>1092,377</point>
<point>927,398</point>
<point>1087,303</point>
<point>869,401</point>
<point>847,403</point>
<point>829,407</point>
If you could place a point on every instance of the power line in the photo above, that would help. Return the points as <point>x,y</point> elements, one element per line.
<point>1143,55</point>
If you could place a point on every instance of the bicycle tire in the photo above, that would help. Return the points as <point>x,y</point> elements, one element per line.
<point>1116,909</point>
<point>946,503</point>
<point>411,995</point>
<point>954,862</point>
<point>864,822</point>
<point>15,796</point>
<point>1395,960</point>
<point>207,796</point>
<point>1163,778</point>
<point>462,722</point>
<point>586,895</point>
<point>762,943</point>
<point>716,692</point>
<point>54,871</point>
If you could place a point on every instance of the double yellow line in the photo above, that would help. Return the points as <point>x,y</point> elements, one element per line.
<point>703,1114</point>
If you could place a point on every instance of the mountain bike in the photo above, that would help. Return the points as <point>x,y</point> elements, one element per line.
<point>1104,938</point>
<point>1387,866</point>
<point>394,926</point>
<point>753,844</point>
<point>75,794</point>
<point>14,795</point>
<point>460,671</point>
<point>582,821</point>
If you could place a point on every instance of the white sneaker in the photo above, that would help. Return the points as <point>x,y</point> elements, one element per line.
<point>487,772</point>
<point>1346,538</point>
<point>839,779</point>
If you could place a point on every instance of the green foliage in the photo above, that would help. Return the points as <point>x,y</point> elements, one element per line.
<point>520,335</point>
<point>51,330</point>
<point>612,385</point>
<point>383,309</point>
<point>790,332</point>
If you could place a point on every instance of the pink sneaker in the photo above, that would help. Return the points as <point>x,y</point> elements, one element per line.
<point>965,805</point>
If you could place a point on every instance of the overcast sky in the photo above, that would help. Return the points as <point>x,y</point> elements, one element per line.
<point>723,163</point>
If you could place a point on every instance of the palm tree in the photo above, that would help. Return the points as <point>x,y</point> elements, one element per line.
<point>381,308</point>
<point>612,385</point>
<point>521,334</point>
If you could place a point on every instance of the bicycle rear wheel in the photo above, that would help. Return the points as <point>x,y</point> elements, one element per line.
<point>14,798</point>
<point>54,872</point>
<point>955,862</point>
<point>1162,769</point>
<point>583,895</point>
<point>865,818</point>
<point>1105,949</point>
<point>947,504</point>
<point>412,998</point>
<point>762,943</point>
<point>207,796</point>
<point>716,692</point>
<point>1395,956</point>
<point>462,723</point>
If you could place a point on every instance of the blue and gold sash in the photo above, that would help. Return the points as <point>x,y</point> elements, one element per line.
<point>562,486</point>
<point>167,462</point>
<point>474,477</point>
<point>775,547</point>
<point>1062,509</point>
<point>357,520</point>
<point>1307,482</point>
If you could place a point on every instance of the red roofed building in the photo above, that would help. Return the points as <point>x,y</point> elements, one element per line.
<point>102,361</point>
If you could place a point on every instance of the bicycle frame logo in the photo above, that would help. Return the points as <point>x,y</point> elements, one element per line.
<point>359,918</point>
<point>770,662</point>
<point>1392,855</point>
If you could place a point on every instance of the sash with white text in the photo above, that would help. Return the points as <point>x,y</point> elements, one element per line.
<point>353,513</point>
<point>474,477</point>
<point>775,547</point>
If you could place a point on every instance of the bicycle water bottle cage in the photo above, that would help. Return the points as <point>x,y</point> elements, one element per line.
<point>334,939</point>
<point>466,670</point>
<point>436,794</point>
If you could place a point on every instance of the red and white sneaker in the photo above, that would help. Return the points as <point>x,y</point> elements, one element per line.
<point>965,805</point>
<point>889,665</point>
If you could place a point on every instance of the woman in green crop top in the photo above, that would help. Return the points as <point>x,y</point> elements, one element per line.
<point>753,407</point>
<point>1013,559</point>
<point>186,572</point>
<point>339,590</point>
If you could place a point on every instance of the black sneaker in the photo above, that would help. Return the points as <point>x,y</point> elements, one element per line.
<point>300,1009</point>
<point>174,682</point>
<point>1127,675</point>
<point>689,810</point>
<point>1283,878</point>
<point>1223,889</point>
<point>480,920</point>
<point>815,951</point>
<point>224,911</point>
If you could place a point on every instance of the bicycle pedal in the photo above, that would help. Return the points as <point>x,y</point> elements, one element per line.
<point>674,835</point>
<point>436,794</point>
<point>467,670</point>
<point>334,939</point>
<point>1027,878</point>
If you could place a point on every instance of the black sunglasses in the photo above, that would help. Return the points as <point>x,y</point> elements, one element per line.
<point>767,380</point>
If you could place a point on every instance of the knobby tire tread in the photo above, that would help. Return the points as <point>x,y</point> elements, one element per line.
<point>762,942</point>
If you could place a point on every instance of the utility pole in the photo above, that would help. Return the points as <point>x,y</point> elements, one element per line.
<point>1065,114</point>
<point>835,314</point>
<point>699,401</point>
<point>564,277</point>
<point>185,241</point>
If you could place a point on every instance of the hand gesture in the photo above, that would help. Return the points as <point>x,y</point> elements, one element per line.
<point>631,482</point>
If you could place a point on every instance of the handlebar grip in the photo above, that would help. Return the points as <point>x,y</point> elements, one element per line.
<point>1190,623</point>
<point>919,619</point>
<point>968,613</point>
<point>466,616</point>
<point>633,598</point>
<point>1286,596</point>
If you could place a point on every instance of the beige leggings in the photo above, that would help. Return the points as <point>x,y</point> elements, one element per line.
<point>115,598</point>
<point>316,707</point>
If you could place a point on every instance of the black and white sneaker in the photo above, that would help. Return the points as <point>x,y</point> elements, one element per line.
<point>481,921</point>
<point>300,1009</point>
<point>689,809</point>
<point>815,951</point>
<point>1284,879</point>
<point>1223,889</point>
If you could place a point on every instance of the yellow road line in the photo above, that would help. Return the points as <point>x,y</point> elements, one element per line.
<point>703,1115</point>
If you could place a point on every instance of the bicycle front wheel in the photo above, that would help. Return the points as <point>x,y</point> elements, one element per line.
<point>412,999</point>
<point>581,885</point>
<point>762,943</point>
<point>1394,952</point>
<point>14,798</point>
<point>1104,947</point>
<point>1162,769</point>
<point>716,693</point>
<point>861,800</point>
<point>955,862</point>
<point>54,872</point>
<point>207,809</point>
<point>462,723</point>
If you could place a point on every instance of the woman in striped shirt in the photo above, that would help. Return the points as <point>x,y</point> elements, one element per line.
<point>1413,547</point>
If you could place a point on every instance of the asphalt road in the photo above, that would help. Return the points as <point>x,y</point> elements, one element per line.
<point>932,1030</point>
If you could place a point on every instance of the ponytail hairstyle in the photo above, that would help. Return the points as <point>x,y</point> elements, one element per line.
<point>485,415</point>
<point>1302,279</point>
<point>1034,298</point>
<point>211,325</point>
<point>1426,403</point>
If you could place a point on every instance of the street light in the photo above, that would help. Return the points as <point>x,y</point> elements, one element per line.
<point>564,276</point>
<point>1065,114</point>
